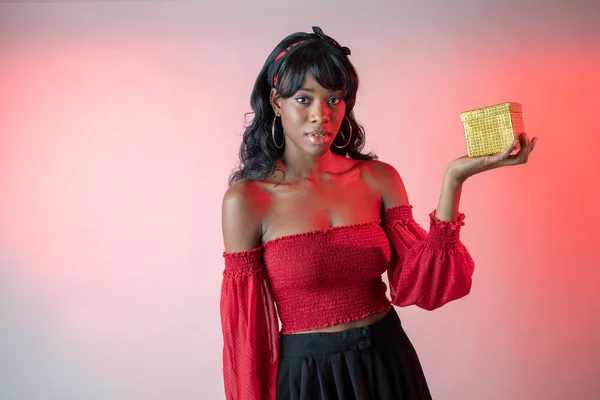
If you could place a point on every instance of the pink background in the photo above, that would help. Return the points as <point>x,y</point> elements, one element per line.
<point>121,120</point>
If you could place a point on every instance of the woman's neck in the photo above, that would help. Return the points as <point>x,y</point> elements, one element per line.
<point>297,167</point>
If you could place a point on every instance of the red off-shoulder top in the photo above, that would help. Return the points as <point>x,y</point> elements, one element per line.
<point>330,276</point>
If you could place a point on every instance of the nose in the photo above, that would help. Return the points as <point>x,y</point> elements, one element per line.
<point>319,113</point>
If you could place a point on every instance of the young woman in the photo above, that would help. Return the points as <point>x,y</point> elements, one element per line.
<point>310,224</point>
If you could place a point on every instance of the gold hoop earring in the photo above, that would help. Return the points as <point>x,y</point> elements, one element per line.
<point>342,133</point>
<point>273,134</point>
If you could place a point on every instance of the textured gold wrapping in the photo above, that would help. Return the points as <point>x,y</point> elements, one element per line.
<point>492,129</point>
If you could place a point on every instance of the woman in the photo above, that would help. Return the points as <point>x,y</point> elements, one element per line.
<point>310,224</point>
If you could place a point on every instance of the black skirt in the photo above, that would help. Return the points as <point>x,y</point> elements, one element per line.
<point>374,362</point>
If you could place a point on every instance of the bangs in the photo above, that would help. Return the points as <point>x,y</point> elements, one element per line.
<point>327,64</point>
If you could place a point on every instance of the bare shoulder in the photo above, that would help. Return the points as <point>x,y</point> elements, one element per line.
<point>386,180</point>
<point>241,216</point>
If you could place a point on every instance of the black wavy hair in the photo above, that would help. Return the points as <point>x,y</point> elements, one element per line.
<point>330,66</point>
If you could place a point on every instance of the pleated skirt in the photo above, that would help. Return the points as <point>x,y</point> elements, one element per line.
<point>374,362</point>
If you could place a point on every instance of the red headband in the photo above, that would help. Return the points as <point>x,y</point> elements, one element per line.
<point>277,62</point>
<point>283,53</point>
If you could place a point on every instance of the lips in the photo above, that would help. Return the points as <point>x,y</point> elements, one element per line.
<point>318,137</point>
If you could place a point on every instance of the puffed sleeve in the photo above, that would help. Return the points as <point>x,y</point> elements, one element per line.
<point>250,328</point>
<point>426,269</point>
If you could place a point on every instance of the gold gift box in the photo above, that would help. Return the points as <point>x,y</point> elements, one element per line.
<point>490,130</point>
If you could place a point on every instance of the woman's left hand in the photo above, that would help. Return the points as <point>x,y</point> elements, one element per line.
<point>465,166</point>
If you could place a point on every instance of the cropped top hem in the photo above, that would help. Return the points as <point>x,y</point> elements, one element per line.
<point>339,320</point>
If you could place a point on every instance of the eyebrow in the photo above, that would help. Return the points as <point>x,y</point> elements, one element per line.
<point>312,90</point>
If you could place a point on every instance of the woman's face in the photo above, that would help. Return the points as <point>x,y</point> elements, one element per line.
<point>311,118</point>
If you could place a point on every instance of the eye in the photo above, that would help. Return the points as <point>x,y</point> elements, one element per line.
<point>302,99</point>
<point>334,100</point>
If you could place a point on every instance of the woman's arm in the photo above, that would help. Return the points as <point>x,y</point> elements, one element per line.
<point>248,314</point>
<point>447,209</point>
<point>386,180</point>
<point>427,269</point>
<point>241,217</point>
<point>464,167</point>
